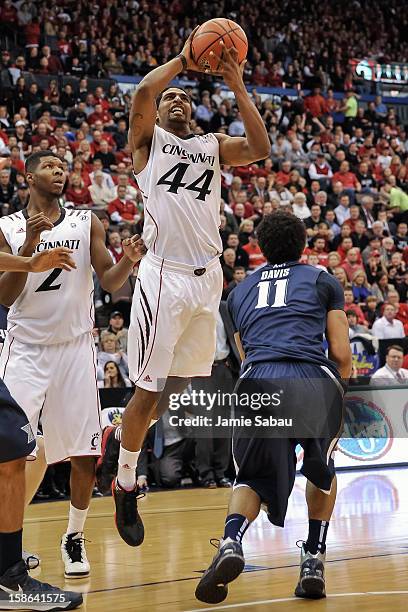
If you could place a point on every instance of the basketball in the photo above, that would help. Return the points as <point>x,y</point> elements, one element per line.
<point>208,38</point>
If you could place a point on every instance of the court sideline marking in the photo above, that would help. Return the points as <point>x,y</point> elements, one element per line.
<point>293,599</point>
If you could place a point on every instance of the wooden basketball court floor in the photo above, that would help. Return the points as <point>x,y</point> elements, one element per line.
<point>366,569</point>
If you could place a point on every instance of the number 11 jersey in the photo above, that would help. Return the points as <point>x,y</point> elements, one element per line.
<point>57,305</point>
<point>181,189</point>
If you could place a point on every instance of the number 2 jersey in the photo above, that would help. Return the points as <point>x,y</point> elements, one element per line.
<point>57,305</point>
<point>280,312</point>
<point>181,188</point>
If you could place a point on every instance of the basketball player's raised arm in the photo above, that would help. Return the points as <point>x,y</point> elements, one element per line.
<point>113,276</point>
<point>142,118</point>
<point>234,150</point>
<point>337,335</point>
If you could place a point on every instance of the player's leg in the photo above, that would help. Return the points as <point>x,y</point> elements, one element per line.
<point>71,427</point>
<point>229,561</point>
<point>107,464</point>
<point>144,409</point>
<point>321,490</point>
<point>16,442</point>
<point>34,473</point>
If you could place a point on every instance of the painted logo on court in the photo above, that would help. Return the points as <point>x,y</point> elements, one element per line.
<point>367,433</point>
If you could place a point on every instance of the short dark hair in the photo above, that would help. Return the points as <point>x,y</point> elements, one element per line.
<point>281,237</point>
<point>239,268</point>
<point>395,347</point>
<point>351,312</point>
<point>34,159</point>
<point>159,97</point>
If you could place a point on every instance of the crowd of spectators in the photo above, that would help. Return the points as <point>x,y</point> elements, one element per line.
<point>298,44</point>
<point>340,166</point>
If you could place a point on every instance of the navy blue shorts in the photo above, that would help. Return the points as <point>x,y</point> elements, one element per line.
<point>268,464</point>
<point>16,436</point>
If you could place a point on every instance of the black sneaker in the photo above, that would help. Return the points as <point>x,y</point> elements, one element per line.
<point>209,484</point>
<point>227,565</point>
<point>224,483</point>
<point>127,518</point>
<point>311,583</point>
<point>107,464</point>
<point>18,591</point>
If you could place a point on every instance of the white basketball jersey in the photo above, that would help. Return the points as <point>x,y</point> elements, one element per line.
<point>54,306</point>
<point>181,188</point>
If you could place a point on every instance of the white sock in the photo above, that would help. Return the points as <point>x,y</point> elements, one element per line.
<point>127,468</point>
<point>76,520</point>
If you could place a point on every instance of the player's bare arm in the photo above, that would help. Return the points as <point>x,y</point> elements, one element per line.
<point>237,151</point>
<point>239,346</point>
<point>143,112</point>
<point>337,334</point>
<point>40,262</point>
<point>113,276</point>
<point>13,283</point>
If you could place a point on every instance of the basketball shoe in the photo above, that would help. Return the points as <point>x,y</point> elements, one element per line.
<point>18,591</point>
<point>226,566</point>
<point>107,464</point>
<point>128,520</point>
<point>74,556</point>
<point>311,583</point>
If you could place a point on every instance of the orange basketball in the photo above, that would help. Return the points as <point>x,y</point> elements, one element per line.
<point>208,38</point>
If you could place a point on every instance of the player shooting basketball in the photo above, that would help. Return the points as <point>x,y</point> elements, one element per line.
<point>176,299</point>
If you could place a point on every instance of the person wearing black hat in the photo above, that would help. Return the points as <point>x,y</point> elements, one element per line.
<point>116,326</point>
<point>19,200</point>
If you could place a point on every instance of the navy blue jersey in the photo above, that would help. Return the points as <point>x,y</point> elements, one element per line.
<point>280,312</point>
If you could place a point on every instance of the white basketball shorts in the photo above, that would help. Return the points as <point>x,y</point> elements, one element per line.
<point>173,321</point>
<point>58,383</point>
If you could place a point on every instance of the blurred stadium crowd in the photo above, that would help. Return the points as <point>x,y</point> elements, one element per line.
<point>341,165</point>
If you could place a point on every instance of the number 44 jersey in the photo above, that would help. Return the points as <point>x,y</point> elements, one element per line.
<point>181,188</point>
<point>57,305</point>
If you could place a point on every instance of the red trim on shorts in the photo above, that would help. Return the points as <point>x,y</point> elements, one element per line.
<point>155,324</point>
<point>96,381</point>
<point>157,228</point>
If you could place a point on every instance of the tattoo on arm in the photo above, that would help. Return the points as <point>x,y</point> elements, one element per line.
<point>135,129</point>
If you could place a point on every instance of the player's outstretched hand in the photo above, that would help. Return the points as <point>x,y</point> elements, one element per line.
<point>229,68</point>
<point>134,248</point>
<point>54,258</point>
<point>35,225</point>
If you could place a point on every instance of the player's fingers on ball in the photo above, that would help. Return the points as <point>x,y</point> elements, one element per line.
<point>233,53</point>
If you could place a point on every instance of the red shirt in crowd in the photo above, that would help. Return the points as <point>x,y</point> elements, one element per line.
<point>256,257</point>
<point>316,105</point>
<point>104,116</point>
<point>249,209</point>
<point>79,198</point>
<point>127,210</point>
<point>351,269</point>
<point>283,177</point>
<point>323,256</point>
<point>348,179</point>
